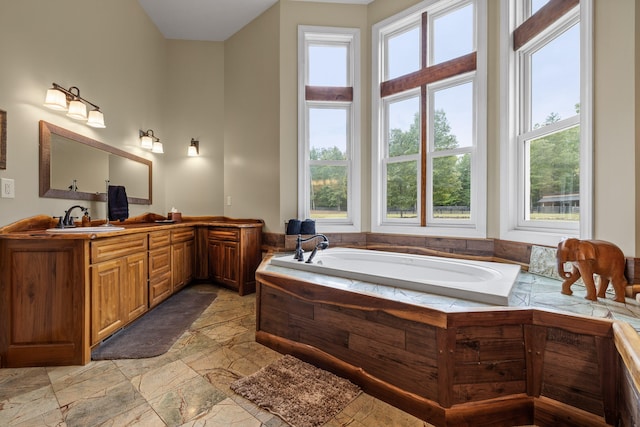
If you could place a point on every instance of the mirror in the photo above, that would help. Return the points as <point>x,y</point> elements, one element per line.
<point>73,166</point>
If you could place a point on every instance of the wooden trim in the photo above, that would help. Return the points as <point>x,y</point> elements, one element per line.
<point>541,20</point>
<point>609,376</point>
<point>535,338</point>
<point>460,65</point>
<point>328,93</point>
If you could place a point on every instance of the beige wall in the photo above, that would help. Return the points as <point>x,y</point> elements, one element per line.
<point>251,130</point>
<point>195,109</point>
<point>616,201</point>
<point>111,51</point>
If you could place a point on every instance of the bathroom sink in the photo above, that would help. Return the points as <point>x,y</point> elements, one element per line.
<point>84,230</point>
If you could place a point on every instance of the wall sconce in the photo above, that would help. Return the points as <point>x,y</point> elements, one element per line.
<point>149,141</point>
<point>194,148</point>
<point>61,99</point>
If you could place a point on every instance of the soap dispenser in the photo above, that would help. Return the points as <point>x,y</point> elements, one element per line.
<point>86,219</point>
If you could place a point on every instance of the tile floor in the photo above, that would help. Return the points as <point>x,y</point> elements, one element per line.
<point>189,385</point>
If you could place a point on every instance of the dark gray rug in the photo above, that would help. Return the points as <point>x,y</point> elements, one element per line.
<point>299,393</point>
<point>156,331</point>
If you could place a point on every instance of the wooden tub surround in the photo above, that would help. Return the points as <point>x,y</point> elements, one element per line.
<point>498,366</point>
<point>62,294</point>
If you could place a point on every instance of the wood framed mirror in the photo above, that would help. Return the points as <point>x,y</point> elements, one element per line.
<point>73,166</point>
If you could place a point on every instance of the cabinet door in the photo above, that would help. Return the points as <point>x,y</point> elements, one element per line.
<point>134,292</point>
<point>189,260</point>
<point>106,309</point>
<point>230,261</point>
<point>223,262</point>
<point>178,265</point>
<point>216,253</point>
<point>159,275</point>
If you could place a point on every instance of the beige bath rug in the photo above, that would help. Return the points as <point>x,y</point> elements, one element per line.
<point>299,393</point>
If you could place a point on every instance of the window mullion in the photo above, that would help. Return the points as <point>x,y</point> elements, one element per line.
<point>424,52</point>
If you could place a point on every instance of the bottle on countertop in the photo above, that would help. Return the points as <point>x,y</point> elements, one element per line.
<point>86,219</point>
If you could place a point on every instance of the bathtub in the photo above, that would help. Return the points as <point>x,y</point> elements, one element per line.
<point>481,281</point>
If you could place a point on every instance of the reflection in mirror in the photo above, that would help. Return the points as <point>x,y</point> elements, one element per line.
<point>73,166</point>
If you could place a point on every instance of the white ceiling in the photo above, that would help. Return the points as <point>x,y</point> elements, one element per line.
<point>214,20</point>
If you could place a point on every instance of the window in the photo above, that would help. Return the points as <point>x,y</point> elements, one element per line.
<point>429,120</point>
<point>329,123</point>
<point>546,164</point>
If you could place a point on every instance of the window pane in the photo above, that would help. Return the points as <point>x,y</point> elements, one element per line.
<point>328,191</point>
<point>453,34</point>
<point>555,79</point>
<point>536,5</point>
<point>453,117</point>
<point>328,65</point>
<point>328,133</point>
<point>402,189</point>
<point>403,53</point>
<point>554,176</point>
<point>403,123</point>
<point>452,187</point>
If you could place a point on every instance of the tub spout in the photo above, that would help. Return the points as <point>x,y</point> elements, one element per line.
<point>299,252</point>
<point>322,245</point>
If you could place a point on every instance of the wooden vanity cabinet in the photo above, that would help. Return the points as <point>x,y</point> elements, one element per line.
<point>234,254</point>
<point>62,295</point>
<point>44,287</point>
<point>182,256</point>
<point>118,283</point>
<point>160,285</point>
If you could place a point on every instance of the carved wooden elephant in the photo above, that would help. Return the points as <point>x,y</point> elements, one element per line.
<point>589,257</point>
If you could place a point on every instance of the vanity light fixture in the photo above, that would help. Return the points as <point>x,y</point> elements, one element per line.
<point>149,141</point>
<point>61,99</point>
<point>194,148</point>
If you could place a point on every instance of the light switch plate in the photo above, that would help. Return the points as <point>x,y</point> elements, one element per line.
<point>7,188</point>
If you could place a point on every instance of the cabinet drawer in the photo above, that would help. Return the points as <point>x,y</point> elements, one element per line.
<point>159,261</point>
<point>182,235</point>
<point>116,247</point>
<point>158,239</point>
<point>224,233</point>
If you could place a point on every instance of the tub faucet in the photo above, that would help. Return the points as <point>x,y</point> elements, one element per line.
<point>67,221</point>
<point>299,252</point>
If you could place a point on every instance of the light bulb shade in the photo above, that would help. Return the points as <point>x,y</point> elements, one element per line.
<point>146,142</point>
<point>77,110</point>
<point>194,148</point>
<point>96,119</point>
<point>56,100</point>
<point>157,147</point>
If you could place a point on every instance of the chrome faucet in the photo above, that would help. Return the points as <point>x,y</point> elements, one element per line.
<point>299,252</point>
<point>67,221</point>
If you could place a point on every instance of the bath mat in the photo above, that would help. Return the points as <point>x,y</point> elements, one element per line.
<point>156,331</point>
<point>299,393</point>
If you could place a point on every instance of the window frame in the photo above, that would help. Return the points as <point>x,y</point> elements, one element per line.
<point>330,97</point>
<point>513,167</point>
<point>475,227</point>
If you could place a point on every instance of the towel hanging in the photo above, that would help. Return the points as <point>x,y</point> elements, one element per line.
<point>118,203</point>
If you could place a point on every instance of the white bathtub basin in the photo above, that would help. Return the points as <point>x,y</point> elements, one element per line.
<point>486,282</point>
<point>77,230</point>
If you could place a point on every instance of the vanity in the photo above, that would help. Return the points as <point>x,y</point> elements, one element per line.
<point>62,293</point>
